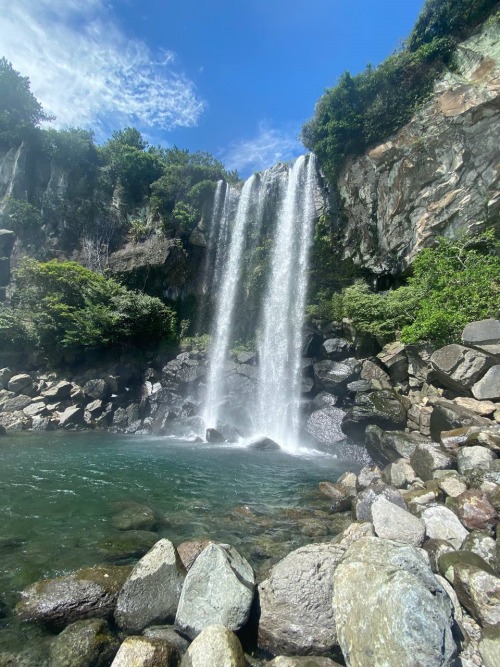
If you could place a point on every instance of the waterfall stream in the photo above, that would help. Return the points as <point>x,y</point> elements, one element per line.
<point>259,253</point>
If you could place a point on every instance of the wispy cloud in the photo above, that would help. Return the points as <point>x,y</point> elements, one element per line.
<point>268,146</point>
<point>85,71</point>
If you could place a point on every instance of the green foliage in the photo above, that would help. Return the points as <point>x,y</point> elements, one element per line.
<point>365,109</point>
<point>64,305</point>
<point>20,216</point>
<point>20,111</point>
<point>452,284</point>
<point>200,342</point>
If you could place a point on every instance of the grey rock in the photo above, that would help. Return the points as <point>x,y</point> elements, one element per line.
<point>264,445</point>
<point>393,358</point>
<point>435,548</point>
<point>383,408</point>
<point>146,652</point>
<point>189,551</point>
<point>97,389</point>
<point>393,523</point>
<point>7,239</point>
<point>336,349</point>
<point>479,592</point>
<point>134,516</point>
<point>72,416</point>
<point>20,384</point>
<point>470,460</point>
<point>216,645</point>
<point>245,357</point>
<point>459,367</point>
<point>388,446</point>
<point>214,436</point>
<point>411,617</point>
<point>481,543</point>
<point>362,504</point>
<point>367,475</point>
<point>151,593</point>
<point>309,661</point>
<point>442,524</point>
<point>448,416</point>
<point>296,611</point>
<point>484,335</point>
<point>332,374</point>
<point>127,544</point>
<point>399,474</point>
<point>5,375</point>
<point>218,590</point>
<point>475,510</point>
<point>324,425</point>
<point>371,371</point>
<point>452,484</point>
<point>488,388</point>
<point>84,643</point>
<point>13,403</point>
<point>427,458</point>
<point>489,647</point>
<point>59,392</point>
<point>168,634</point>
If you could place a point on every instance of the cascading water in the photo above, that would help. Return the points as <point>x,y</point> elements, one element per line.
<point>276,209</point>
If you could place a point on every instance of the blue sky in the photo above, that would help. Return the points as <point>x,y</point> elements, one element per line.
<point>233,77</point>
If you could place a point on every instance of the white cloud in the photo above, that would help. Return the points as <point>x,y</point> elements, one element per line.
<point>85,71</point>
<point>269,146</point>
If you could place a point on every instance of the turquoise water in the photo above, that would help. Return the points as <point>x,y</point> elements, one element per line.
<point>59,493</point>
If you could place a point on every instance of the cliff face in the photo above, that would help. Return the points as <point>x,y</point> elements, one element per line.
<point>439,175</point>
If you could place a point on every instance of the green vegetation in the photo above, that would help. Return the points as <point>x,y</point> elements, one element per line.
<point>365,109</point>
<point>452,284</point>
<point>62,305</point>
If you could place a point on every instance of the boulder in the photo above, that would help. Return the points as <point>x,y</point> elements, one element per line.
<point>87,593</point>
<point>399,474</point>
<point>448,416</point>
<point>134,516</point>
<point>152,591</point>
<point>403,617</point>
<point>489,647</point>
<point>216,646</point>
<point>367,475</point>
<point>483,335</point>
<point>3,430</point>
<point>449,561</point>
<point>481,543</point>
<point>452,484</point>
<point>5,376</point>
<point>72,416</point>
<point>383,408</point>
<point>475,510</point>
<point>214,436</point>
<point>488,388</point>
<point>362,504</point>
<point>388,446</point>
<point>97,389</point>
<point>13,403</point>
<point>390,522</point>
<point>168,634</point>
<point>459,367</point>
<point>483,408</point>
<point>479,592</point>
<point>394,360</point>
<point>264,445</point>
<point>336,349</point>
<point>20,384</point>
<point>340,501</point>
<point>218,590</point>
<point>59,392</point>
<point>84,643</point>
<point>146,652</point>
<point>325,425</point>
<point>295,600</point>
<point>348,483</point>
<point>189,551</point>
<point>473,460</point>
<point>442,524</point>
<point>427,458</point>
<point>435,549</point>
<point>331,375</point>
<point>371,371</point>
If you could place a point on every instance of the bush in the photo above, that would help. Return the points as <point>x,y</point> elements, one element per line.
<point>64,305</point>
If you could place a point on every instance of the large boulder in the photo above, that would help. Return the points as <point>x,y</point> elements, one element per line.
<point>84,643</point>
<point>362,504</point>
<point>459,367</point>
<point>216,646</point>
<point>336,349</point>
<point>427,458</point>
<point>325,425</point>
<point>393,523</point>
<point>448,416</point>
<point>331,375</point>
<point>296,602</point>
<point>390,609</point>
<point>21,384</point>
<point>483,335</point>
<point>146,652</point>
<point>61,391</point>
<point>218,590</point>
<point>475,510</point>
<point>87,593</point>
<point>383,408</point>
<point>393,358</point>
<point>389,446</point>
<point>488,388</point>
<point>479,592</point>
<point>152,591</point>
<point>442,524</point>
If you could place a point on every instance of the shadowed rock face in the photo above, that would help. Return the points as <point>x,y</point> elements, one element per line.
<point>437,176</point>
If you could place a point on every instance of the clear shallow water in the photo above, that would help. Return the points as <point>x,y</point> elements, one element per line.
<point>59,493</point>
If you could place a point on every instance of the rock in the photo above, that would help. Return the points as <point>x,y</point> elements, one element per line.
<point>388,446</point>
<point>325,425</point>
<point>216,646</point>
<point>367,475</point>
<point>479,592</point>
<point>435,549</point>
<point>488,388</point>
<point>383,408</point>
<point>151,593</point>
<point>483,335</point>
<point>84,643</point>
<point>59,392</point>
<point>393,523</point>
<point>309,661</point>
<point>296,611</point>
<point>452,484</point>
<point>214,436</point>
<point>410,615</point>
<point>348,483</point>
<point>362,504</point>
<point>449,561</point>
<point>20,384</point>
<point>218,589</point>
<point>483,408</point>
<point>97,389</point>
<point>482,544</point>
<point>459,367</point>
<point>95,407</point>
<point>371,371</point>
<point>127,544</point>
<point>264,445</point>
<point>72,416</point>
<point>168,634</point>
<point>359,385</point>
<point>331,375</point>
<point>245,357</point>
<point>489,647</point>
<point>448,416</point>
<point>146,652</point>
<point>36,409</point>
<point>336,349</point>
<point>451,441</point>
<point>471,460</point>
<point>91,592</point>
<point>393,358</point>
<point>475,510</point>
<point>442,524</point>
<point>5,376</point>
<point>13,403</point>
<point>134,516</point>
<point>7,239</point>
<point>399,474</point>
<point>417,499</point>
<point>427,458</point>
<point>340,501</point>
<point>189,551</point>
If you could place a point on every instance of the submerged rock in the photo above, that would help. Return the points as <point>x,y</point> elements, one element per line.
<point>84,643</point>
<point>264,445</point>
<point>127,544</point>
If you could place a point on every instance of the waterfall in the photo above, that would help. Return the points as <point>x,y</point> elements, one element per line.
<point>227,293</point>
<point>275,214</point>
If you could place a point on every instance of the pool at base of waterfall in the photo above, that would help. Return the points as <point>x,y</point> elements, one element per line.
<point>76,500</point>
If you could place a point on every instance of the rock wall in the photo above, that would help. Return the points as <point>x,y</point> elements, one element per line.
<point>439,175</point>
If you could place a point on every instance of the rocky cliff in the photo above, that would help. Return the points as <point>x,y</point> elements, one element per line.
<point>439,175</point>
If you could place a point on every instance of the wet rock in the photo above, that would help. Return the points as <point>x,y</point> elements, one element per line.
<point>146,652</point>
<point>442,524</point>
<point>362,504</point>
<point>481,543</point>
<point>336,349</point>
<point>410,613</point>
<point>479,592</point>
<point>459,367</point>
<point>246,357</point>
<point>218,589</point>
<point>296,610</point>
<point>91,592</point>
<point>127,544</point>
<point>484,335</point>
<point>151,593</point>
<point>427,458</point>
<point>189,551</point>
<point>264,445</point>
<point>388,446</point>
<point>20,384</point>
<point>488,388</point>
<point>393,358</point>
<point>59,392</point>
<point>383,408</point>
<point>71,417</point>
<point>214,436</point>
<point>393,523</point>
<point>167,633</point>
<point>134,516</point>
<point>3,430</point>
<point>475,510</point>
<point>325,425</point>
<point>340,502</point>
<point>330,375</point>
<point>84,643</point>
<point>216,645</point>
